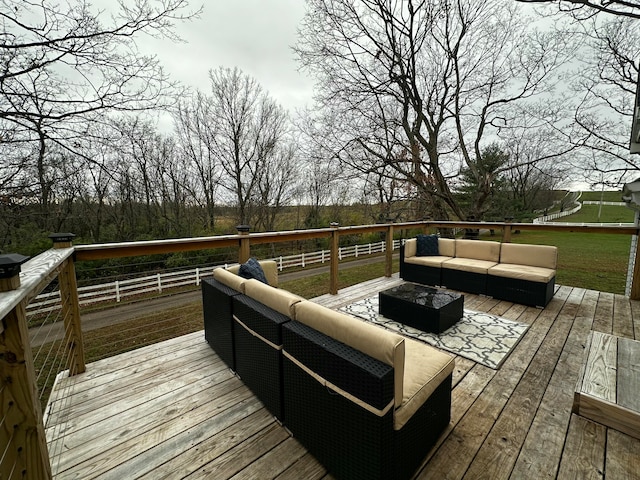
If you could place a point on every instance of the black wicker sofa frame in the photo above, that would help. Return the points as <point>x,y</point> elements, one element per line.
<point>366,402</point>
<point>243,321</point>
<point>519,273</point>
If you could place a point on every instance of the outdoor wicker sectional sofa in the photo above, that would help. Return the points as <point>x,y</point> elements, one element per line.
<point>366,402</point>
<point>519,273</point>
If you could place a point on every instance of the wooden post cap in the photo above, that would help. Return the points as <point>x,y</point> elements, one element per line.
<point>61,237</point>
<point>10,271</point>
<point>10,264</point>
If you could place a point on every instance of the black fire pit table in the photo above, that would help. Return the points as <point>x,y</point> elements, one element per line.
<point>425,308</point>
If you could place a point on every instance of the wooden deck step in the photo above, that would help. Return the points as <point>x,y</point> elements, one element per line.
<point>608,386</point>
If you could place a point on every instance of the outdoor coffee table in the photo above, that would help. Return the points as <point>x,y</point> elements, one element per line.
<point>425,308</point>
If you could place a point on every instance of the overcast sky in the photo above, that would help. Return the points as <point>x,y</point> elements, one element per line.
<point>254,35</point>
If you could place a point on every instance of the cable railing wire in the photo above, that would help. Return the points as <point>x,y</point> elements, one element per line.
<point>59,360</point>
<point>43,342</point>
<point>140,284</point>
<point>153,332</point>
<point>48,351</point>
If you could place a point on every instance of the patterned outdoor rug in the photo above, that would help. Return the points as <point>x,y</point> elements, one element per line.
<point>478,336</point>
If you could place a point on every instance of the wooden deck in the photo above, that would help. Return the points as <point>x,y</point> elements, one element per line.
<point>173,410</point>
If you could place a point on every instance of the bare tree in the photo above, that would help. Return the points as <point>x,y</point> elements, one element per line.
<point>540,169</point>
<point>420,86</point>
<point>277,186</point>
<point>321,172</point>
<point>64,66</point>
<point>75,60</point>
<point>195,127</point>
<point>95,188</point>
<point>384,197</point>
<point>605,91</point>
<point>582,9</point>
<point>249,126</point>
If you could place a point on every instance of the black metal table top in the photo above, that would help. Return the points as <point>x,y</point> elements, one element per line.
<point>423,295</point>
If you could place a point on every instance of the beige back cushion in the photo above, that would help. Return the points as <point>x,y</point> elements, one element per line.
<point>447,247</point>
<point>410,248</point>
<point>376,342</point>
<point>478,249</point>
<point>270,268</point>
<point>280,300</point>
<point>545,256</point>
<point>229,279</point>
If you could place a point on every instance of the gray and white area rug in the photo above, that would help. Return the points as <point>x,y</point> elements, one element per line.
<point>478,336</point>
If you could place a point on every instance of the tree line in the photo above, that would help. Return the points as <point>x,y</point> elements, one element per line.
<point>457,109</point>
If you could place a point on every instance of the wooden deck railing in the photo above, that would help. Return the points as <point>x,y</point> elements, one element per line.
<point>23,447</point>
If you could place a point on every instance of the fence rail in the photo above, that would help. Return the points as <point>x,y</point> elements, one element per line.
<point>119,290</point>
<point>598,202</point>
<point>555,216</point>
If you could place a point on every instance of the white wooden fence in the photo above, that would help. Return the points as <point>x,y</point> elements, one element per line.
<point>554,216</point>
<point>598,202</point>
<point>119,290</point>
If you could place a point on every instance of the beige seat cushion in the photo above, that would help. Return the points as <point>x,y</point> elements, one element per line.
<point>270,268</point>
<point>280,300</point>
<point>478,250</point>
<point>545,256</point>
<point>229,279</point>
<point>425,369</point>
<point>430,261</point>
<point>388,347</point>
<point>523,272</point>
<point>469,265</point>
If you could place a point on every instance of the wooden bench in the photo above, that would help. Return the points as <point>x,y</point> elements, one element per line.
<point>608,387</point>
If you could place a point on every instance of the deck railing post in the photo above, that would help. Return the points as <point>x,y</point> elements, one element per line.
<point>245,246</point>
<point>74,343</point>
<point>506,231</point>
<point>335,259</point>
<point>388,264</point>
<point>22,436</point>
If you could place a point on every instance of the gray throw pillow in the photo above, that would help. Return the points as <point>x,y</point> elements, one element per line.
<point>252,269</point>
<point>427,245</point>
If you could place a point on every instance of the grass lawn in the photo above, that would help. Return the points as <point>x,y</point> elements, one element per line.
<point>609,214</point>
<point>607,196</point>
<point>588,260</point>
<point>310,287</point>
<point>593,261</point>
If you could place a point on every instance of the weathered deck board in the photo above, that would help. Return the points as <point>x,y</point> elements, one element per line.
<point>599,376</point>
<point>549,427</point>
<point>501,447</point>
<point>173,410</point>
<point>603,321</point>
<point>623,456</point>
<point>622,319</point>
<point>583,455</point>
<point>466,438</point>
<point>629,374</point>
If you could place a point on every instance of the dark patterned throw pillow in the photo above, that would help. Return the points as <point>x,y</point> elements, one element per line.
<point>252,269</point>
<point>427,245</point>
